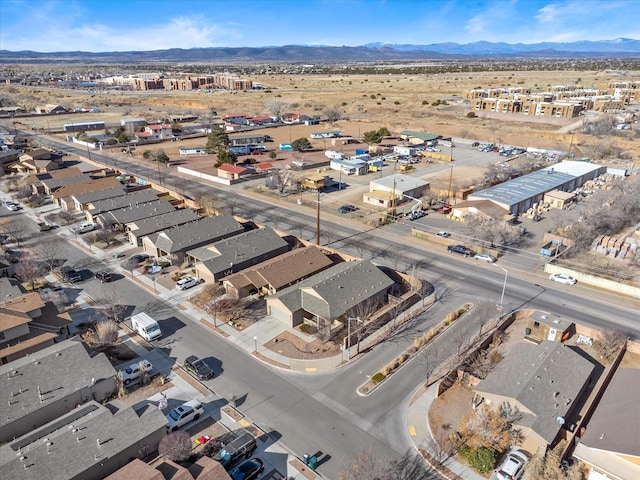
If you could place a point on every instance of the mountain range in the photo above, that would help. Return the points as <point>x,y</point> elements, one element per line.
<point>619,48</point>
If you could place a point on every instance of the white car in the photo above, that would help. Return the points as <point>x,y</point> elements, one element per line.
<point>133,371</point>
<point>184,414</point>
<point>485,257</point>
<point>443,234</point>
<point>13,206</point>
<point>186,282</point>
<point>512,467</point>
<point>563,278</point>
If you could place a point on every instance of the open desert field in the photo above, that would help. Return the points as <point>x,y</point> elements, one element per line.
<point>428,103</point>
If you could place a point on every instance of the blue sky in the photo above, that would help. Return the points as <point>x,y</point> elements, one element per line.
<point>117,25</point>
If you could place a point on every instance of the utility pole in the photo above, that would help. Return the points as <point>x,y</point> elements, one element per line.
<point>318,219</point>
<point>450,180</point>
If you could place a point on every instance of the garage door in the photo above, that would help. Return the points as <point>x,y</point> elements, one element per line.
<point>282,315</point>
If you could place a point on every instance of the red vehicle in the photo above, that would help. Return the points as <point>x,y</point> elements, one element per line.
<point>445,209</point>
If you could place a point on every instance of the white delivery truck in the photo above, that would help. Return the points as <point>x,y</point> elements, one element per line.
<point>146,327</point>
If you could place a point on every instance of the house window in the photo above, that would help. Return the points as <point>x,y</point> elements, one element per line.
<point>536,324</point>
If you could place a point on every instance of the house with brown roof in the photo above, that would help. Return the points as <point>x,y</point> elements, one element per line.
<point>205,468</point>
<point>38,160</point>
<point>278,273</point>
<point>37,180</point>
<point>63,196</point>
<point>230,172</point>
<point>29,324</point>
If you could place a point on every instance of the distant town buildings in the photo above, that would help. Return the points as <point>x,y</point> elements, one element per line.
<point>155,81</point>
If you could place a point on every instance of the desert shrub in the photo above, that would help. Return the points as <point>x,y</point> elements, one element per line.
<point>471,115</point>
<point>481,459</point>
<point>304,328</point>
<point>378,377</point>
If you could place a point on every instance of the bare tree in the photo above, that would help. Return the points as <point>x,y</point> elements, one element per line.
<point>277,108</point>
<point>443,444</point>
<point>67,217</point>
<point>58,298</point>
<point>366,465</point>
<point>609,342</point>
<point>29,270</point>
<point>15,229</point>
<point>494,429</point>
<point>298,227</point>
<point>332,114</point>
<point>281,178</point>
<point>176,446</point>
<point>549,466</point>
<point>107,235</point>
<point>49,252</point>
<point>111,302</point>
<point>361,244</point>
<point>211,204</point>
<point>362,314</point>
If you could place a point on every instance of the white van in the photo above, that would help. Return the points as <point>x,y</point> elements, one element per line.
<point>146,327</point>
<point>86,227</point>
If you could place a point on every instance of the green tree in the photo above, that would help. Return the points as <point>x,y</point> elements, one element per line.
<point>161,156</point>
<point>372,137</point>
<point>225,156</point>
<point>301,144</point>
<point>217,140</point>
<point>121,135</point>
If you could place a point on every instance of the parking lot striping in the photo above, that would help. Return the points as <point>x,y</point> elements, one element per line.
<point>412,431</point>
<point>310,369</point>
<point>244,423</point>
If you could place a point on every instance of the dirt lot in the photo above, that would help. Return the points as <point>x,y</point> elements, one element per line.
<point>366,102</point>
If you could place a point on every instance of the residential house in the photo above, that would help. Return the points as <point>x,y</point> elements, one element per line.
<point>349,166</point>
<point>173,243</point>
<point>232,254</point>
<point>117,219</point>
<point>56,182</point>
<point>63,196</point>
<point>545,326</point>
<point>546,383</point>
<point>38,160</point>
<point>7,159</point>
<point>132,125</point>
<point>83,200</point>
<point>97,207</point>
<point>316,181</point>
<point>294,118</point>
<point>29,324</point>
<point>330,294</point>
<point>36,179</point>
<point>240,139</point>
<point>230,172</point>
<point>51,109</point>
<point>277,273</point>
<point>147,226</point>
<point>235,118</point>
<point>395,189</point>
<point>159,132</point>
<point>86,442</point>
<point>610,444</point>
<point>41,387</point>
<point>264,167</point>
<point>205,468</point>
<point>260,120</point>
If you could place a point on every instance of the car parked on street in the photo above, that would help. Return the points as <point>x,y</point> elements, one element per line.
<point>461,250</point>
<point>186,282</point>
<point>443,234</point>
<point>12,206</point>
<point>104,277</point>
<point>563,278</point>
<point>198,367</point>
<point>512,467</point>
<point>69,274</point>
<point>247,470</point>
<point>485,257</point>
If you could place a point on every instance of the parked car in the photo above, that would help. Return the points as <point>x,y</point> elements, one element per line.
<point>443,234</point>
<point>416,214</point>
<point>475,144</point>
<point>184,414</point>
<point>133,371</point>
<point>563,278</point>
<point>485,257</point>
<point>138,258</point>
<point>242,446</point>
<point>104,277</point>
<point>13,206</point>
<point>186,282</point>
<point>69,274</point>
<point>445,209</point>
<point>44,226</point>
<point>86,227</point>
<point>461,250</point>
<point>347,209</point>
<point>198,367</point>
<point>247,470</point>
<point>512,467</point>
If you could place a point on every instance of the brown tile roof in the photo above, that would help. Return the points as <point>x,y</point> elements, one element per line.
<point>92,186</point>
<point>283,270</point>
<point>208,469</point>
<point>61,173</point>
<point>25,303</point>
<point>9,319</point>
<point>138,470</point>
<point>27,342</point>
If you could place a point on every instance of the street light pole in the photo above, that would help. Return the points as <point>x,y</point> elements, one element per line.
<point>504,286</point>
<point>349,335</point>
<point>255,344</point>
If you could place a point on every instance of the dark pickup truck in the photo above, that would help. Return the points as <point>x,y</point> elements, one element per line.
<point>461,250</point>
